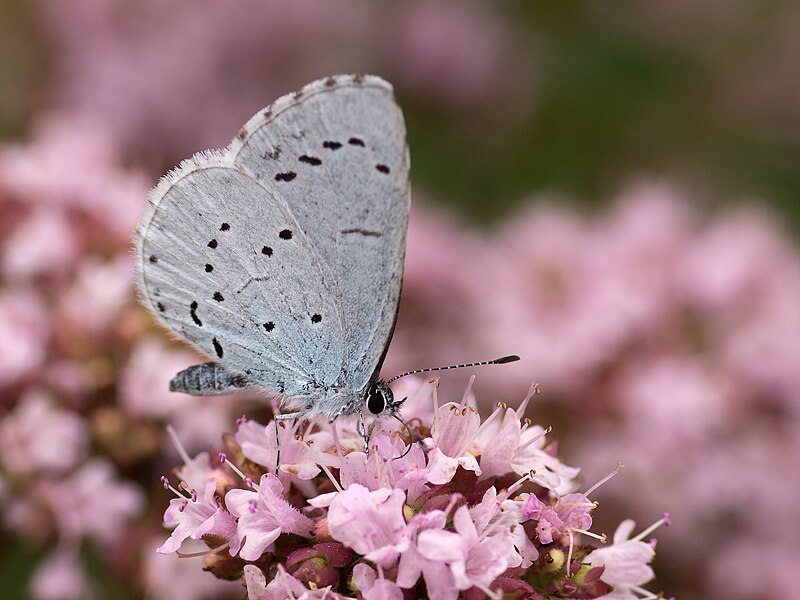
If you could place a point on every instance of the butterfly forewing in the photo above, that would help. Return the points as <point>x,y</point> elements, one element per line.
<point>337,154</point>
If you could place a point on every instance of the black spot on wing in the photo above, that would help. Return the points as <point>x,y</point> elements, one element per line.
<point>212,244</point>
<point>153,258</point>
<point>224,227</point>
<point>288,176</point>
<point>160,307</point>
<point>193,313</point>
<point>209,268</point>
<point>354,141</point>
<point>316,318</point>
<point>382,168</point>
<point>218,297</point>
<point>217,347</point>
<point>286,234</point>
<point>330,145</point>
<point>310,160</point>
<point>269,325</point>
<point>266,250</point>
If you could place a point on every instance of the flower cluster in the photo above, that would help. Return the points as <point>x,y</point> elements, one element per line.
<point>465,509</point>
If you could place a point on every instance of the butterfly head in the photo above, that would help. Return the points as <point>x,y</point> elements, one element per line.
<point>379,400</point>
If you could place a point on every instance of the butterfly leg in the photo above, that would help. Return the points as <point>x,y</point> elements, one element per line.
<point>362,431</point>
<point>278,423</point>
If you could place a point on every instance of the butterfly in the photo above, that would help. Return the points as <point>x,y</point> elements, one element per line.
<point>281,256</point>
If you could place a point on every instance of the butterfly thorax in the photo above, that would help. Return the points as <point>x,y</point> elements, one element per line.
<point>334,402</point>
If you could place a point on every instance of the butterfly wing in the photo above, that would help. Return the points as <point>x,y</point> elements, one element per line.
<point>224,264</point>
<point>282,256</point>
<point>336,152</point>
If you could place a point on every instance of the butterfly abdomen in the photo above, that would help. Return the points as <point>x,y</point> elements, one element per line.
<point>207,379</point>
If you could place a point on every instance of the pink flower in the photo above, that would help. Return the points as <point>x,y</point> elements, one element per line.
<point>281,587</point>
<point>439,580</point>
<point>262,516</point>
<point>373,587</point>
<point>24,319</point>
<point>371,523</point>
<point>259,444</point>
<point>60,576</point>
<point>170,577</point>
<point>453,436</point>
<point>93,502</point>
<point>44,244</point>
<point>474,561</point>
<point>38,436</point>
<point>625,561</point>
<point>196,517</point>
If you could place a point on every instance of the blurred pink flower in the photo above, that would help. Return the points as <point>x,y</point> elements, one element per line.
<point>428,41</point>
<point>71,163</point>
<point>38,437</point>
<point>24,319</point>
<point>92,502</point>
<point>98,294</point>
<point>170,577</point>
<point>45,243</point>
<point>60,576</point>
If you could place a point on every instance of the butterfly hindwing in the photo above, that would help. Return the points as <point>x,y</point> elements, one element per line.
<point>224,264</point>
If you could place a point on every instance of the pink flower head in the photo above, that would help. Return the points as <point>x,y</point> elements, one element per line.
<point>453,435</point>
<point>371,523</point>
<point>196,517</point>
<point>262,516</point>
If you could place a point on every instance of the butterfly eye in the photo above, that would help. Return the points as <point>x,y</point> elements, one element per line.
<point>376,403</point>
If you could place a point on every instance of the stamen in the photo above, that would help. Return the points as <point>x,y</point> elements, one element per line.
<point>249,482</point>
<point>516,485</point>
<point>662,521</point>
<point>435,383</point>
<point>321,464</point>
<point>569,554</point>
<point>602,536</point>
<point>177,443</point>
<point>467,392</point>
<point>536,437</point>
<point>501,407</point>
<point>204,552</point>
<point>619,468</point>
<point>534,389</point>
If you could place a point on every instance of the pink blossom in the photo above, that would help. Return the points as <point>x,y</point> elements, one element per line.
<point>60,576</point>
<point>439,580</point>
<point>373,587</point>
<point>39,437</point>
<point>170,577</point>
<point>93,502</point>
<point>45,243</point>
<point>259,444</point>
<point>262,516</point>
<point>98,294</point>
<point>453,436</point>
<point>24,319</point>
<point>196,517</point>
<point>371,523</point>
<point>626,562</point>
<point>473,560</point>
<point>282,586</point>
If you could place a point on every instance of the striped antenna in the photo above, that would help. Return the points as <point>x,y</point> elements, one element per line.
<point>497,361</point>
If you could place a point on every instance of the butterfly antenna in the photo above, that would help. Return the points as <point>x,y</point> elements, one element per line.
<point>497,361</point>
